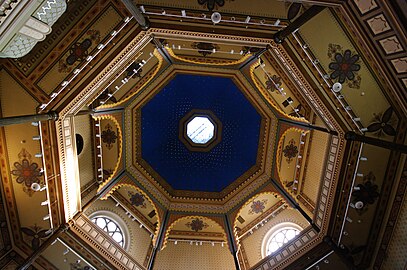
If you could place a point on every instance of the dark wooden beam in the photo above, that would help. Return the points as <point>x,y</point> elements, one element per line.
<point>159,241</point>
<point>294,204</point>
<point>142,21</point>
<point>297,23</point>
<point>352,136</point>
<point>232,244</point>
<point>308,126</point>
<point>6,121</point>
<point>30,260</point>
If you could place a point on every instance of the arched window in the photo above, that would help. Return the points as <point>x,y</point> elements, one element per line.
<point>111,227</point>
<point>278,236</point>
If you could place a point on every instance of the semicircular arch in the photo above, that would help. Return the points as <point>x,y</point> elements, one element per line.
<point>245,206</point>
<point>290,186</point>
<point>149,200</point>
<point>120,147</point>
<point>175,222</point>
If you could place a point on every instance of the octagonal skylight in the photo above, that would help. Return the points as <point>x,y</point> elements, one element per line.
<point>200,130</point>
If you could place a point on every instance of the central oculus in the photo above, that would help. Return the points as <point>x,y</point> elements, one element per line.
<point>200,130</point>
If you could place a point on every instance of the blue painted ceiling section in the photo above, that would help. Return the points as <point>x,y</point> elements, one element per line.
<point>200,171</point>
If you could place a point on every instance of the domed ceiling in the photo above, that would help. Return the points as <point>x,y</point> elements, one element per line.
<point>166,154</point>
<point>159,138</point>
<point>270,146</point>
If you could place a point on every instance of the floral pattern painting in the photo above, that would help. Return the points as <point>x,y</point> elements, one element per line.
<point>197,225</point>
<point>210,4</point>
<point>344,66</point>
<point>134,70</point>
<point>79,51</point>
<point>290,151</point>
<point>137,199</point>
<point>109,136</point>
<point>293,10</point>
<point>205,48</point>
<point>273,82</point>
<point>105,97</point>
<point>367,192</point>
<point>78,266</point>
<point>382,124</point>
<point>257,207</point>
<point>250,50</point>
<point>37,234</point>
<point>26,171</point>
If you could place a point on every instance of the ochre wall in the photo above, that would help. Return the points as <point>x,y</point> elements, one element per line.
<point>252,244</point>
<point>85,158</point>
<point>397,250</point>
<point>186,256</point>
<point>140,239</point>
<point>315,161</point>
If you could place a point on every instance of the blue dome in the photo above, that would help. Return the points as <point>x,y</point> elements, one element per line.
<point>210,171</point>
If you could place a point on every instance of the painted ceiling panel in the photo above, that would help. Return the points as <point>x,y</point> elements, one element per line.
<point>257,206</point>
<point>197,225</point>
<point>24,167</point>
<point>194,256</point>
<point>345,64</point>
<point>289,156</point>
<point>272,81</point>
<point>369,182</point>
<point>141,204</point>
<point>78,51</point>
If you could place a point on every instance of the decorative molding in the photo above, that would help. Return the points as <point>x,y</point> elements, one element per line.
<point>307,239</point>
<point>267,96</point>
<point>51,171</point>
<point>207,61</point>
<point>125,181</point>
<point>140,87</point>
<point>120,147</point>
<point>181,203</point>
<point>169,228</point>
<point>104,244</point>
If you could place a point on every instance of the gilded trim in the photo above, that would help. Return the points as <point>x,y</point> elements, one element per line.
<point>167,232</point>
<point>207,61</point>
<point>120,150</point>
<point>126,183</point>
<point>268,98</point>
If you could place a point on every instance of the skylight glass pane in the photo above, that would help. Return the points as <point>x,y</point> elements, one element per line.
<point>200,130</point>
